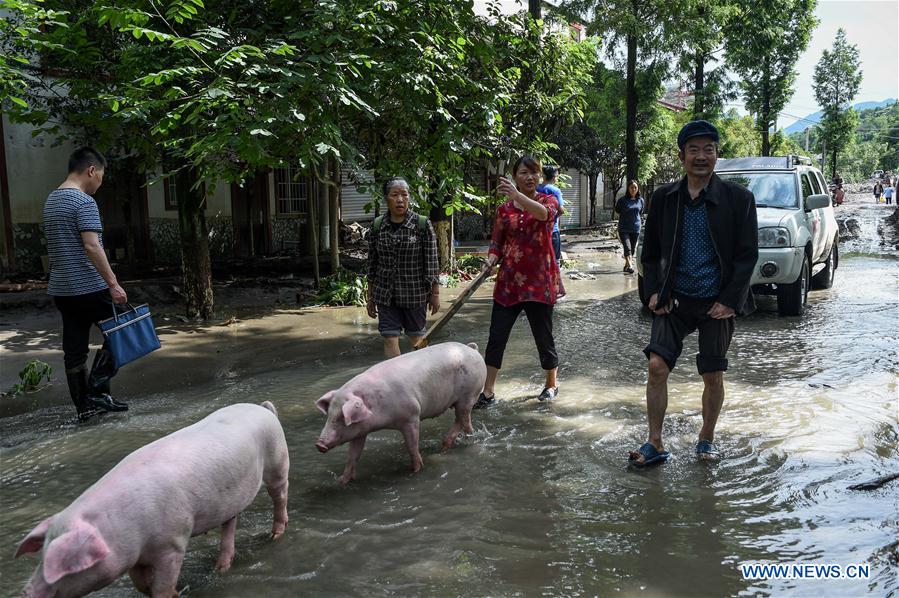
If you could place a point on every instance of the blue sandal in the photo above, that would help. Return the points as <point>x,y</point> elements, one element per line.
<point>651,456</point>
<point>706,451</point>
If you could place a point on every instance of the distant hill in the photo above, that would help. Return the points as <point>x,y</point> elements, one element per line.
<point>802,125</point>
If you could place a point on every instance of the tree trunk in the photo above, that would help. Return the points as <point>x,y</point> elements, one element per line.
<point>443,230</point>
<point>592,178</point>
<point>699,85</point>
<point>630,148</point>
<point>765,115</point>
<point>334,197</point>
<point>445,254</point>
<point>833,164</point>
<point>196,267</point>
<point>313,239</point>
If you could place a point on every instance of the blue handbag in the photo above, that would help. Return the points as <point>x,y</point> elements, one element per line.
<point>129,335</point>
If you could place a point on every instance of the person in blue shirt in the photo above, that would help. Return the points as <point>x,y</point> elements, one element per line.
<point>629,208</point>
<point>550,173</point>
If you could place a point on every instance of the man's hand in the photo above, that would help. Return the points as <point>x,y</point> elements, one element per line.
<point>434,302</point>
<point>371,308</point>
<point>654,308</point>
<point>720,312</point>
<point>118,294</point>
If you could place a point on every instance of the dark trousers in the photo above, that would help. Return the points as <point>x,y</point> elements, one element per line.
<point>540,317</point>
<point>79,313</point>
<point>628,242</point>
<point>557,245</point>
<point>669,331</point>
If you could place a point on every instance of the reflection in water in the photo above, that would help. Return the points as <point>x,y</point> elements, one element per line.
<point>539,499</point>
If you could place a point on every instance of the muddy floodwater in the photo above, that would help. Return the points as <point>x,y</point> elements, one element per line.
<point>539,500</point>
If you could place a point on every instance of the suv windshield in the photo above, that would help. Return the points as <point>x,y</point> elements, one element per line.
<point>771,189</point>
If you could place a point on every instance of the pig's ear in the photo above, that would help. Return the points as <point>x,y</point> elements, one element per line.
<point>34,541</point>
<point>354,411</point>
<point>325,402</point>
<point>78,549</point>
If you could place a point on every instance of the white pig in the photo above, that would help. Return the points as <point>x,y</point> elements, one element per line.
<point>139,517</point>
<point>397,394</point>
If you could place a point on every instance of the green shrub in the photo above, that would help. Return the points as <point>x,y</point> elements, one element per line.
<point>31,376</point>
<point>343,288</point>
<point>470,263</point>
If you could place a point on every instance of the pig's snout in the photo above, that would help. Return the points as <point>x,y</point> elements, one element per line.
<point>321,446</point>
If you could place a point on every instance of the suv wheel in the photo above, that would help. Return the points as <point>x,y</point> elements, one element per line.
<point>791,298</point>
<point>824,278</point>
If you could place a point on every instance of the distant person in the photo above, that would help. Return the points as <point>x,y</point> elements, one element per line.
<point>629,208</point>
<point>878,191</point>
<point>402,270</point>
<point>82,283</point>
<point>837,180</point>
<point>700,248</point>
<point>550,174</point>
<point>888,194</point>
<point>529,279</point>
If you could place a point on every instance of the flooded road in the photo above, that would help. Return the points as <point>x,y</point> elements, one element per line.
<point>539,501</point>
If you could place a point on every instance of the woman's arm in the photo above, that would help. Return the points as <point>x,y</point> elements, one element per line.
<point>534,208</point>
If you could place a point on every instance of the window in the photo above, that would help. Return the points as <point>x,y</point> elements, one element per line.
<point>771,189</point>
<point>291,191</point>
<point>816,187</point>
<point>170,192</point>
<point>806,187</point>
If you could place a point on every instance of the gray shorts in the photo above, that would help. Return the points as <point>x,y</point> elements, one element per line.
<point>392,320</point>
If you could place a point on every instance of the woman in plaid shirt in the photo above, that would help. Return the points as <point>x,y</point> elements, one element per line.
<point>402,270</point>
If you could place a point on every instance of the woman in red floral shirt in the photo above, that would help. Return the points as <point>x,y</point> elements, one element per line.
<point>528,278</point>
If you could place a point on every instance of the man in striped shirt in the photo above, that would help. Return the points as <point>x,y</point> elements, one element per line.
<point>82,283</point>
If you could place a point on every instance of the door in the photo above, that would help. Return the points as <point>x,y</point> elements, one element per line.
<point>814,221</point>
<point>250,216</point>
<point>122,201</point>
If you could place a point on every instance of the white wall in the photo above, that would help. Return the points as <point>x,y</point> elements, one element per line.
<point>218,202</point>
<point>35,167</point>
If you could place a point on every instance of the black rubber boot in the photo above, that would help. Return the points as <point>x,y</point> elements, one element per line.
<point>102,371</point>
<point>77,380</point>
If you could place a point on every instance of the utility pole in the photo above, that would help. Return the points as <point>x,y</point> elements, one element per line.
<point>806,137</point>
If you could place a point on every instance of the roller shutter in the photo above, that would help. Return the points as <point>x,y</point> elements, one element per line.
<point>572,196</point>
<point>352,202</point>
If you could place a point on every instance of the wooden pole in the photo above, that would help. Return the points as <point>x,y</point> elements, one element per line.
<point>455,306</point>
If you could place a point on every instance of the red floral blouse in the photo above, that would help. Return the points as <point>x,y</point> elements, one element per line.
<point>528,270</point>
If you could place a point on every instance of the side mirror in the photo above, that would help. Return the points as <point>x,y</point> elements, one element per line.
<point>816,202</point>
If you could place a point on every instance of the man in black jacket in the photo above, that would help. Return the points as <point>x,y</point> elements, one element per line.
<point>699,251</point>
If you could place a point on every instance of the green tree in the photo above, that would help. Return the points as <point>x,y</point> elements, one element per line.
<point>836,81</point>
<point>704,25</point>
<point>763,49</point>
<point>214,91</point>
<point>20,39</point>
<point>643,28</point>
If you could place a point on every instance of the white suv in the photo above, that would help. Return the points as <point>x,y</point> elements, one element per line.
<point>798,233</point>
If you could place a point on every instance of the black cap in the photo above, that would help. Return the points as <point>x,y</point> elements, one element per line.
<point>696,128</point>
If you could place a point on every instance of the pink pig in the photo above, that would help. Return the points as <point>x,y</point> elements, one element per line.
<point>139,517</point>
<point>397,394</point>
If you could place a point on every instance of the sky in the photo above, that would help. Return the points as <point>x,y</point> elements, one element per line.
<point>872,25</point>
